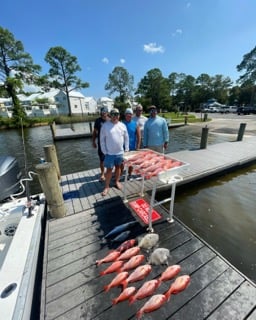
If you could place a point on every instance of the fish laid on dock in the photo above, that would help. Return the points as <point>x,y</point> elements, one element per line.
<point>112,256</point>
<point>126,245</point>
<point>120,228</point>
<point>170,272</point>
<point>133,262</point>
<point>124,295</point>
<point>146,290</point>
<point>129,253</point>
<point>122,236</point>
<point>138,274</point>
<point>117,280</point>
<point>114,267</point>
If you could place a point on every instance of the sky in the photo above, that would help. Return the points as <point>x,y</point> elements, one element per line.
<point>191,37</point>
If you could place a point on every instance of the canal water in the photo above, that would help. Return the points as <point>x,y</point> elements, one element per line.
<point>220,211</point>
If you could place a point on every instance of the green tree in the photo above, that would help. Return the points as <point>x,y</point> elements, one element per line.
<point>16,68</point>
<point>155,89</point>
<point>62,73</point>
<point>120,81</point>
<point>248,64</point>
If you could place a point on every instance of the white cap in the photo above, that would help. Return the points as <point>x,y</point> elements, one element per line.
<point>128,110</point>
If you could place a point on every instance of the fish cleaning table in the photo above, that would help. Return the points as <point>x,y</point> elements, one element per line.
<point>148,164</point>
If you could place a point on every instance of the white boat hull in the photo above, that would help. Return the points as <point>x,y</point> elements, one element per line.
<point>17,274</point>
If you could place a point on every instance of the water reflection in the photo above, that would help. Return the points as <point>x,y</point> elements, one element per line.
<point>222,212</point>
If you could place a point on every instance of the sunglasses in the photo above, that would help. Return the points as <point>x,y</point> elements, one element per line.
<point>114,114</point>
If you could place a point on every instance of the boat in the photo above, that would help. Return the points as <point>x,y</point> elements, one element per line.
<point>21,224</point>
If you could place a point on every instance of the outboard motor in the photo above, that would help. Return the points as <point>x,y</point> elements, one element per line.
<point>10,175</point>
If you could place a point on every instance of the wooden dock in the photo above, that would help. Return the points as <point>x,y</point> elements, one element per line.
<point>72,287</point>
<point>67,133</point>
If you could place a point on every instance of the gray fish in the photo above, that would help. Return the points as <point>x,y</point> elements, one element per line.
<point>122,236</point>
<point>120,228</point>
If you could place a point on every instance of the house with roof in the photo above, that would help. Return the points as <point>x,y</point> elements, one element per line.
<point>105,102</point>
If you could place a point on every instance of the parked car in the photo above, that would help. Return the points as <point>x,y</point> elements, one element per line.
<point>228,109</point>
<point>246,110</point>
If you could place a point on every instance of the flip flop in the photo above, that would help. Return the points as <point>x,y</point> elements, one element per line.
<point>105,192</point>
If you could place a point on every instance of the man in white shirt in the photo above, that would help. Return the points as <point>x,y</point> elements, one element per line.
<point>140,120</point>
<point>114,141</point>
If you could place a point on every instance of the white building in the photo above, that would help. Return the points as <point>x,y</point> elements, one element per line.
<point>53,102</point>
<point>105,102</point>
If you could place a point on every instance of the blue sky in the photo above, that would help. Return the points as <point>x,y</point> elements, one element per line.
<point>191,37</point>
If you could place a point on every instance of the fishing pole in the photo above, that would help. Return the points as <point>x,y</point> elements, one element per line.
<point>27,188</point>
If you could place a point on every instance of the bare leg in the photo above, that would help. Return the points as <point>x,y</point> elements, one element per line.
<point>108,176</point>
<point>117,177</point>
<point>102,175</point>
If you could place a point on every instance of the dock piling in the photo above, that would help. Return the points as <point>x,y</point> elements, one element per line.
<point>50,186</point>
<point>51,156</point>
<point>241,132</point>
<point>204,137</point>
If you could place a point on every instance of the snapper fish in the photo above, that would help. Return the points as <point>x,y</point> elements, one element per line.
<point>138,274</point>
<point>147,289</point>
<point>112,256</point>
<point>126,245</point>
<point>124,295</point>
<point>170,272</point>
<point>114,267</point>
<point>133,262</point>
<point>178,285</point>
<point>117,280</point>
<point>129,253</point>
<point>154,303</point>
<point>120,228</point>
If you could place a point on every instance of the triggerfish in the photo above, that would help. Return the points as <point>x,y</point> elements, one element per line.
<point>120,228</point>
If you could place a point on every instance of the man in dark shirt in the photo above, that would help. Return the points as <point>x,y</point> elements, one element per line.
<point>96,136</point>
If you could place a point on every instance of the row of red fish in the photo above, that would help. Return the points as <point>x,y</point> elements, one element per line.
<point>149,164</point>
<point>128,251</point>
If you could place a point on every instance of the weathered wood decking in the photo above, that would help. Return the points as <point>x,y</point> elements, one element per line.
<point>72,287</point>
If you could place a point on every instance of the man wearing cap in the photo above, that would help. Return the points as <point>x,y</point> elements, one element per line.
<point>96,135</point>
<point>156,133</point>
<point>140,120</point>
<point>114,141</point>
<point>133,130</point>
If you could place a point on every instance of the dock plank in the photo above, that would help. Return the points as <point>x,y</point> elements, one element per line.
<point>72,287</point>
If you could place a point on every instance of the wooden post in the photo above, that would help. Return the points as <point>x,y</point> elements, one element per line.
<point>51,156</point>
<point>50,186</point>
<point>90,125</point>
<point>241,132</point>
<point>204,137</point>
<point>53,129</point>
<point>186,120</point>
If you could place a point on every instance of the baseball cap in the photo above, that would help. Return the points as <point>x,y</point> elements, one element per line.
<point>113,111</point>
<point>103,109</point>
<point>151,107</point>
<point>128,111</point>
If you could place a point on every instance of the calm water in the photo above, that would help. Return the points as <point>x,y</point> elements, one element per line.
<point>221,211</point>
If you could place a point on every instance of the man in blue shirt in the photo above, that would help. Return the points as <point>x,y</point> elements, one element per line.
<point>156,133</point>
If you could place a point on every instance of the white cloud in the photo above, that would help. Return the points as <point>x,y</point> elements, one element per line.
<point>177,32</point>
<point>105,60</point>
<point>122,60</point>
<point>153,48</point>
